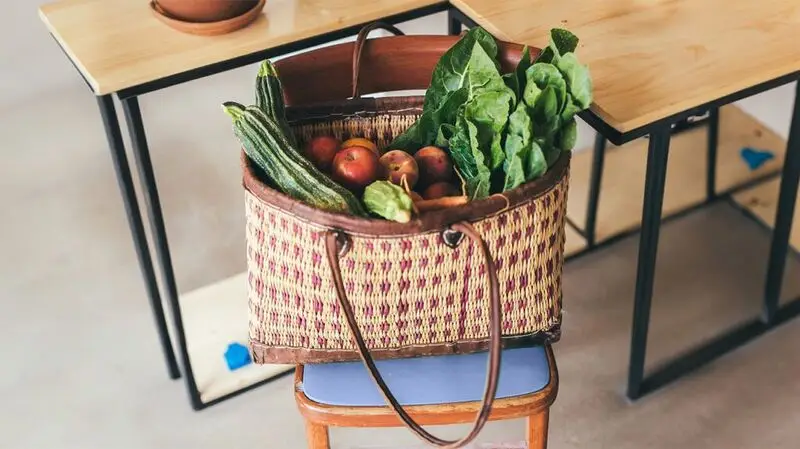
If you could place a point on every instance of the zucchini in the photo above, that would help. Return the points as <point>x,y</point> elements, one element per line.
<point>293,174</point>
<point>269,97</point>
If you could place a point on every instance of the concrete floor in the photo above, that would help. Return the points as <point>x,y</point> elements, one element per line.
<point>82,368</point>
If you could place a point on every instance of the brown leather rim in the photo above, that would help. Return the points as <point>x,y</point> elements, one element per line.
<point>332,245</point>
<point>431,221</point>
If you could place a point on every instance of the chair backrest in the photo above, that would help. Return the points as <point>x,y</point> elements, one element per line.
<point>388,64</point>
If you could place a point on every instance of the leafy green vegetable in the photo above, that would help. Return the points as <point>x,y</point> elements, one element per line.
<point>468,157</point>
<point>426,129</point>
<point>516,79</point>
<point>453,68</point>
<point>561,42</point>
<point>536,165</point>
<point>570,109</point>
<point>578,81</point>
<point>517,146</point>
<point>389,201</point>
<point>502,130</point>
<point>544,75</point>
<point>489,110</point>
<point>567,135</point>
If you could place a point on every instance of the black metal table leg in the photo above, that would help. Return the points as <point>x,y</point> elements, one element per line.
<point>133,116</point>
<point>125,180</point>
<point>596,178</point>
<point>784,215</point>
<point>711,160</point>
<point>453,24</point>
<point>655,178</point>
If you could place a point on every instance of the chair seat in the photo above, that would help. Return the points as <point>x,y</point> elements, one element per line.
<point>427,380</point>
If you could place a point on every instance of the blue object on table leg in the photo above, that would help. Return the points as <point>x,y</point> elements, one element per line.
<point>237,356</point>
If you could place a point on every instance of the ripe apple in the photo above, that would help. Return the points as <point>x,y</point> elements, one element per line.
<point>398,164</point>
<point>321,150</point>
<point>356,167</point>
<point>361,142</point>
<point>440,190</point>
<point>434,165</point>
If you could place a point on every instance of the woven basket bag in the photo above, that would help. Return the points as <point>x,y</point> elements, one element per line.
<point>326,287</point>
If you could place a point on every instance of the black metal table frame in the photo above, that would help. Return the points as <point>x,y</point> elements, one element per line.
<point>133,117</point>
<point>654,187</point>
<point>659,134</point>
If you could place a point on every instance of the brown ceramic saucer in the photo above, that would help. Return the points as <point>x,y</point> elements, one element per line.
<point>209,28</point>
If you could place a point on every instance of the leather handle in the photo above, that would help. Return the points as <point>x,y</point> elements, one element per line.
<point>493,366</point>
<point>358,48</point>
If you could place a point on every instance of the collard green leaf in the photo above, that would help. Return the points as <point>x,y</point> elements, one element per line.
<point>453,68</point>
<point>545,110</point>
<point>570,109</point>
<point>517,146</point>
<point>488,110</point>
<point>561,43</point>
<point>443,136</point>
<point>516,80</point>
<point>567,135</point>
<point>579,83</point>
<point>535,162</point>
<point>548,75</point>
<point>531,93</point>
<point>468,158</point>
<point>425,129</point>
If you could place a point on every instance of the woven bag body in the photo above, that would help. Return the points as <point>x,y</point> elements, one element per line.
<point>412,292</point>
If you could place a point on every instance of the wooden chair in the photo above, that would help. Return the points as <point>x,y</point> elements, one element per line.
<point>433,390</point>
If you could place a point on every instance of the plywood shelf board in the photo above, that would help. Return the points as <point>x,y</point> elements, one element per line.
<point>214,316</point>
<point>622,187</point>
<point>761,201</point>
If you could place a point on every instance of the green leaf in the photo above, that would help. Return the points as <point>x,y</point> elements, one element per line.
<point>531,93</point>
<point>425,130</point>
<point>468,158</point>
<point>517,146</point>
<point>489,111</point>
<point>567,135</point>
<point>545,111</point>
<point>570,109</point>
<point>452,69</point>
<point>536,163</point>
<point>516,80</point>
<point>548,75</point>
<point>579,83</point>
<point>388,201</point>
<point>443,136</point>
<point>561,43</point>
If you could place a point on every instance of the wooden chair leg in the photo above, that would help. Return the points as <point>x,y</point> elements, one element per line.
<point>317,436</point>
<point>537,430</point>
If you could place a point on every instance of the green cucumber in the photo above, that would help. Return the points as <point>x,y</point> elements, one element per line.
<point>293,174</point>
<point>269,97</point>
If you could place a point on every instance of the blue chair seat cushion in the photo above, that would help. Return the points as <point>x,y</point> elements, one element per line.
<point>427,380</point>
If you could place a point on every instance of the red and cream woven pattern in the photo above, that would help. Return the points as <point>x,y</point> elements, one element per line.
<point>405,290</point>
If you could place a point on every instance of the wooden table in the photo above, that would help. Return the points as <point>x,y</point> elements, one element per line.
<point>122,50</point>
<point>654,64</point>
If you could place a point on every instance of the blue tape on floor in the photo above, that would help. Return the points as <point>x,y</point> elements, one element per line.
<point>237,356</point>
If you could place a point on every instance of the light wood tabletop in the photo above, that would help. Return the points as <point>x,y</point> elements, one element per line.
<point>118,44</point>
<point>650,59</point>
